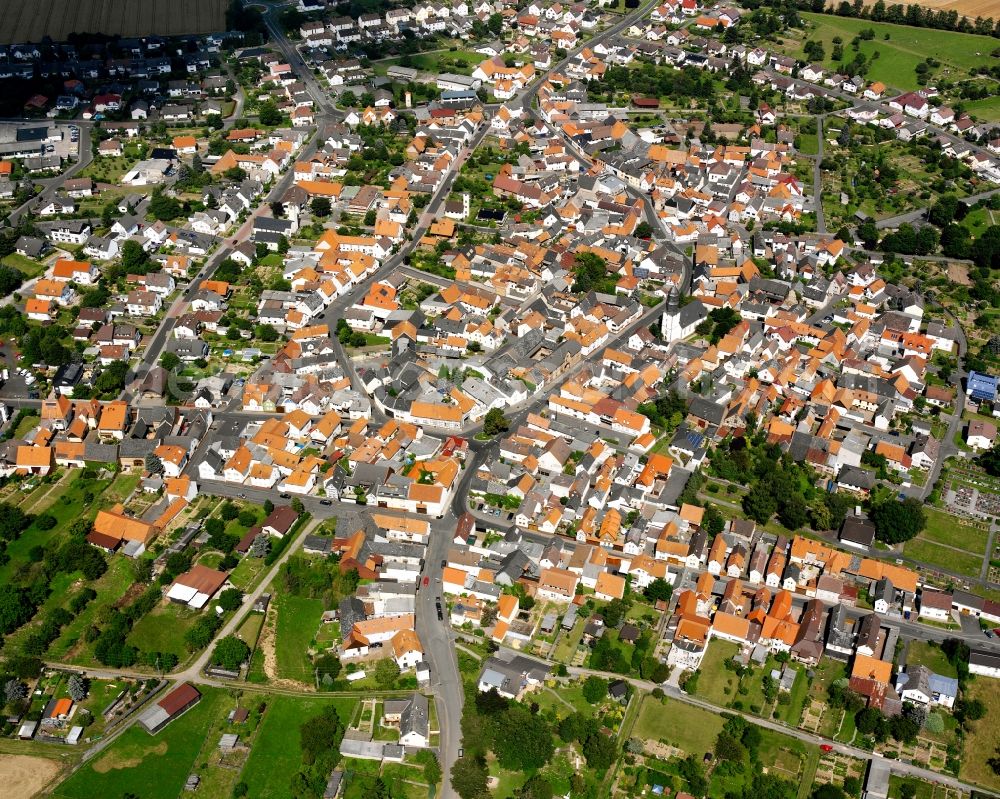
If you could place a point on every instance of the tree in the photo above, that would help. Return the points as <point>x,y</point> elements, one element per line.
<point>319,734</point>
<point>643,230</point>
<point>269,114</point>
<point>261,545</point>
<point>793,512</point>
<point>537,787</point>
<point>600,751</point>
<point>15,691</point>
<point>153,464</point>
<point>521,739</point>
<point>659,590</point>
<point>230,653</point>
<point>852,786</point>
<point>495,422</point>
<point>230,599</point>
<point>133,258</point>
<point>327,668</point>
<point>77,686</point>
<point>164,208</point>
<point>320,206</point>
<point>591,274</point>
<point>827,791</point>
<point>385,673</point>
<point>468,778</point>
<point>727,747</point>
<point>896,522</point>
<point>16,608</point>
<point>229,511</point>
<point>266,332</point>
<point>247,518</point>
<point>759,503</point>
<point>595,689</point>
<point>170,361</point>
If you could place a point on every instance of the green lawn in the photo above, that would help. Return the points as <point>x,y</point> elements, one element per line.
<point>277,755</point>
<point>26,425</point>
<point>149,766</point>
<point>981,743</point>
<point>949,559</point>
<point>808,143</point>
<point>944,528</point>
<point>715,679</point>
<point>29,267</point>
<point>927,654</point>
<point>163,629</point>
<point>460,62</point>
<point>792,712</point>
<point>986,109</point>
<point>898,57</point>
<point>978,220</point>
<point>678,724</point>
<point>110,588</point>
<point>73,499</point>
<point>298,621</point>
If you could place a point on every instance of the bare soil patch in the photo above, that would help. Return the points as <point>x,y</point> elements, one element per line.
<point>117,760</point>
<point>23,777</point>
<point>959,273</point>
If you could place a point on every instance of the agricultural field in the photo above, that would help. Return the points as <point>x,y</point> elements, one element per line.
<point>970,8</point>
<point>899,54</point>
<point>26,21</point>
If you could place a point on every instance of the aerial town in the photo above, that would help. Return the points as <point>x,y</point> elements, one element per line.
<point>500,399</point>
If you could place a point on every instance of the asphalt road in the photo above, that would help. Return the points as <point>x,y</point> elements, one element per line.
<point>52,185</point>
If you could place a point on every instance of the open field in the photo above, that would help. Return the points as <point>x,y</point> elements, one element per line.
<point>899,55</point>
<point>150,766</point>
<point>24,777</point>
<point>931,656</point>
<point>678,724</point>
<point>298,621</point>
<point>30,20</point>
<point>953,560</point>
<point>981,744</point>
<point>953,531</point>
<point>277,753</point>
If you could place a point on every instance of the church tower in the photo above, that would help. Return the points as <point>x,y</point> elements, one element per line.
<point>671,327</point>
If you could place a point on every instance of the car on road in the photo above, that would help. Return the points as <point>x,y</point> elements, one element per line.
<point>326,502</point>
<point>285,496</point>
<point>826,747</point>
<point>427,581</point>
<point>444,563</point>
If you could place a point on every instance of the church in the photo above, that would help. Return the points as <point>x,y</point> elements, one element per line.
<point>679,322</point>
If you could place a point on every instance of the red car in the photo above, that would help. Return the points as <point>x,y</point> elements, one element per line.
<point>826,747</point>
<point>427,581</point>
